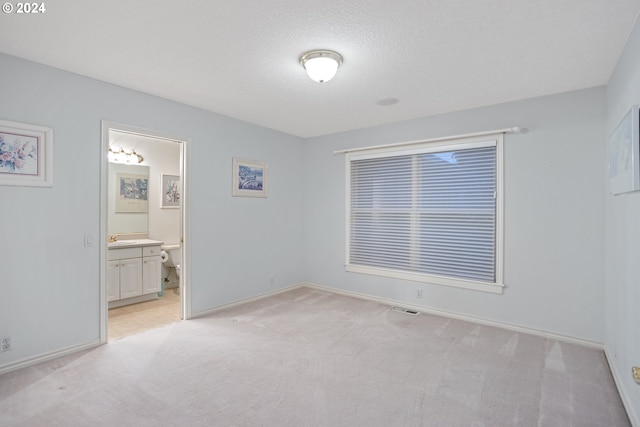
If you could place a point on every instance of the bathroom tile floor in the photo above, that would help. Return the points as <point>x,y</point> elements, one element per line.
<point>135,318</point>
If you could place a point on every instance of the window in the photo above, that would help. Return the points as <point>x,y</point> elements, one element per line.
<point>428,212</point>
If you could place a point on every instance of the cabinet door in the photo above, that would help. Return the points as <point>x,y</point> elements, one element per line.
<point>130,277</point>
<point>113,280</point>
<point>151,274</point>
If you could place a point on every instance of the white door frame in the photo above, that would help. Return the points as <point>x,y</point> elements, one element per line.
<point>185,156</point>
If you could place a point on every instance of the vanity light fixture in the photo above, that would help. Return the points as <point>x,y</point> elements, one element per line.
<point>122,156</point>
<point>321,65</point>
<point>137,157</point>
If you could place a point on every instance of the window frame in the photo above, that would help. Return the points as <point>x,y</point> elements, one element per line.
<point>421,147</point>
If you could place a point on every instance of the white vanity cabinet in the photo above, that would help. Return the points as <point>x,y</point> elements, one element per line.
<point>134,273</point>
<point>151,269</point>
<point>113,280</point>
<point>124,273</point>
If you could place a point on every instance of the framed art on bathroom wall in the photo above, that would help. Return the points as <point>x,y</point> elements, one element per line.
<point>133,195</point>
<point>249,178</point>
<point>26,154</point>
<point>170,191</point>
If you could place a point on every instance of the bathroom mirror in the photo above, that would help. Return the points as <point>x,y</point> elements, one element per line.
<point>128,199</point>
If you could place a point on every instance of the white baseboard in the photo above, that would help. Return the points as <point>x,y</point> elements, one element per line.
<point>48,356</point>
<point>246,300</point>
<point>66,351</point>
<point>69,350</point>
<point>459,316</point>
<point>626,402</point>
<point>132,300</point>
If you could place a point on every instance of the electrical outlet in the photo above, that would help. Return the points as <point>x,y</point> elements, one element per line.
<point>419,293</point>
<point>5,344</point>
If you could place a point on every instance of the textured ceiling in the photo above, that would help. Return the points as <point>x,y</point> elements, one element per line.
<point>240,58</point>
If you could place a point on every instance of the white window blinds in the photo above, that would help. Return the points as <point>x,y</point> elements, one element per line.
<point>428,211</point>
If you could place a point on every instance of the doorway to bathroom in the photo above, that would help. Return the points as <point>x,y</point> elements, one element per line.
<point>144,271</point>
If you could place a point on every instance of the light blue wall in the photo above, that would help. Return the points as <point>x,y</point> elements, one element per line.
<point>622,309</point>
<point>49,282</point>
<point>554,214</point>
<point>555,194</point>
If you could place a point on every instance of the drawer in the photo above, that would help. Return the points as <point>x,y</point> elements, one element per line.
<point>151,251</point>
<point>125,253</point>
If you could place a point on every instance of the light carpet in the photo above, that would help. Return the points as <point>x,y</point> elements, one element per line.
<point>312,358</point>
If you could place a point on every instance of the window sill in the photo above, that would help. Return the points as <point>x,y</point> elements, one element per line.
<point>425,278</point>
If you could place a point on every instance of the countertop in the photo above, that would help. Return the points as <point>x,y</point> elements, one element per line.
<point>138,243</point>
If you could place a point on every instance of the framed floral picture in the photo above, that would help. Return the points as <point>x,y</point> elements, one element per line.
<point>249,178</point>
<point>170,191</point>
<point>26,154</point>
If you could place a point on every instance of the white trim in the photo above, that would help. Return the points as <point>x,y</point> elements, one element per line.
<point>133,300</point>
<point>104,244</point>
<point>48,356</point>
<point>74,349</point>
<point>347,210</point>
<point>418,308</point>
<point>626,401</point>
<point>247,300</point>
<point>185,228</point>
<point>500,210</point>
<point>515,129</point>
<point>458,316</point>
<point>185,158</point>
<point>426,278</point>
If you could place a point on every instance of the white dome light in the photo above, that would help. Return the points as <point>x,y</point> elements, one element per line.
<point>321,65</point>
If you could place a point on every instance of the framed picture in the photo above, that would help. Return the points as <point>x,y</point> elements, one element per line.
<point>249,178</point>
<point>170,191</point>
<point>26,154</point>
<point>133,194</point>
<point>624,149</point>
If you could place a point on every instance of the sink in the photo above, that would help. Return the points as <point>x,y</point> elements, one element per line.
<point>134,243</point>
<point>119,243</point>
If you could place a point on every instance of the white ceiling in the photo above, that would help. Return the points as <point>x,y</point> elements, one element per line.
<point>240,58</point>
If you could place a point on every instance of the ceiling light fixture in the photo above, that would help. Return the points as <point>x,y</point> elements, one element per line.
<point>321,65</point>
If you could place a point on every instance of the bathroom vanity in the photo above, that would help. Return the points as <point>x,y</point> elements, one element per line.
<point>134,271</point>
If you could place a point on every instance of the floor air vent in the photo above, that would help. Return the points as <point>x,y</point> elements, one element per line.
<point>405,311</point>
